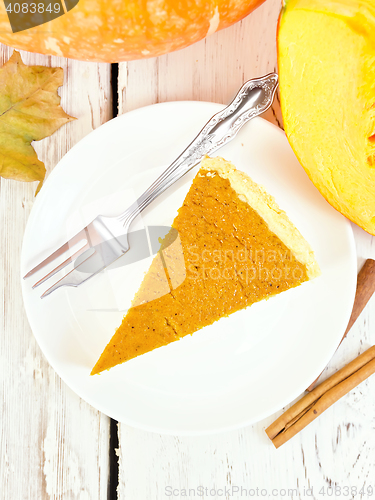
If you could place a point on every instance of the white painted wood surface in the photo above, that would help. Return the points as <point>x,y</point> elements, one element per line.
<point>53,445</point>
<point>339,448</point>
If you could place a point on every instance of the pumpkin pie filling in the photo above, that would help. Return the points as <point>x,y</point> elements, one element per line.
<point>219,257</point>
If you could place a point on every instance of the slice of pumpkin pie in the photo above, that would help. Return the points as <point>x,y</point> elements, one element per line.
<point>230,246</point>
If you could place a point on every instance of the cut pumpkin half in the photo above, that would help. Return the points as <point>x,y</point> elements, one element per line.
<point>326,57</point>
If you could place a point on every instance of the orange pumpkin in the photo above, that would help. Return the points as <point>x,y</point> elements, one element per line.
<point>326,55</point>
<point>120,30</point>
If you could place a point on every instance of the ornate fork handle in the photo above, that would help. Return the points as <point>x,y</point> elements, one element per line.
<point>253,99</point>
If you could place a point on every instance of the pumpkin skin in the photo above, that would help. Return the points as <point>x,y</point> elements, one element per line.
<point>121,30</point>
<point>326,58</point>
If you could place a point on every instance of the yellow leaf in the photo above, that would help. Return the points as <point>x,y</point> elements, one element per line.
<point>29,111</point>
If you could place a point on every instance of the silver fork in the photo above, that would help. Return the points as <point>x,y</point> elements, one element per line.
<point>100,243</point>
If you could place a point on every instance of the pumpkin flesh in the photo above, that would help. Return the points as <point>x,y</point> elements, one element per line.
<point>326,55</point>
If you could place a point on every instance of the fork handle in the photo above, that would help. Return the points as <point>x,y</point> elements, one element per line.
<point>253,99</point>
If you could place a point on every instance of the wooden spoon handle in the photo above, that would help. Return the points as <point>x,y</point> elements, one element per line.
<point>365,290</point>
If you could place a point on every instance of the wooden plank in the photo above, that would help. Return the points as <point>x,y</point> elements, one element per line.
<point>53,445</point>
<point>211,70</point>
<point>337,449</point>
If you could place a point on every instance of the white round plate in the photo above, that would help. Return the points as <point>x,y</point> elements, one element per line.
<point>233,373</point>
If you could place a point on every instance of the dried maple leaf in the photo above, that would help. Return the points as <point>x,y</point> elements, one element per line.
<point>29,111</point>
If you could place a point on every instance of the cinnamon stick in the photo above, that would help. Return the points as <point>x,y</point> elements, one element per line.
<point>364,292</point>
<point>322,397</point>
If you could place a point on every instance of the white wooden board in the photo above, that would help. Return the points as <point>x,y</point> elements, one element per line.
<point>52,444</point>
<point>338,449</point>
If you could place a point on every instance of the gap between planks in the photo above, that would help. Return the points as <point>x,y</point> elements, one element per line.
<point>113,469</point>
